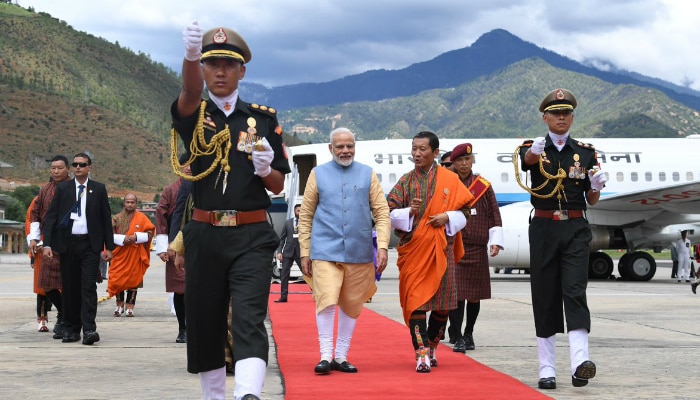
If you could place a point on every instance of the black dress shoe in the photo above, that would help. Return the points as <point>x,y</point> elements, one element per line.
<point>322,368</point>
<point>343,367</point>
<point>459,346</point>
<point>584,372</point>
<point>547,383</point>
<point>181,336</point>
<point>694,286</point>
<point>58,330</point>
<point>281,300</point>
<point>90,337</point>
<point>250,397</point>
<point>69,337</point>
<point>469,342</point>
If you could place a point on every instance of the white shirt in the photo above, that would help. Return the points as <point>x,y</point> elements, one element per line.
<point>79,221</point>
<point>683,248</point>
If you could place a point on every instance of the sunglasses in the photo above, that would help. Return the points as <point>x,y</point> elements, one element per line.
<point>80,164</point>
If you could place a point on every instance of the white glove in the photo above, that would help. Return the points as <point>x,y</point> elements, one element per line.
<point>597,178</point>
<point>262,159</point>
<point>537,146</point>
<point>192,36</point>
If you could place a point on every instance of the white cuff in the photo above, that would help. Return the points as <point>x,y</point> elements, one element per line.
<point>456,223</point>
<point>141,237</point>
<point>264,173</point>
<point>401,219</point>
<point>34,232</point>
<point>161,243</point>
<point>119,239</point>
<point>496,236</point>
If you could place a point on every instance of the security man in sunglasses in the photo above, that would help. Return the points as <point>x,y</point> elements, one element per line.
<point>78,226</point>
<point>564,178</point>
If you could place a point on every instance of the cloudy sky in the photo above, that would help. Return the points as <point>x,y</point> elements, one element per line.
<point>320,40</point>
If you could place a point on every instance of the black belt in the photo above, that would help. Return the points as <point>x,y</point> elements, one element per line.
<point>82,236</point>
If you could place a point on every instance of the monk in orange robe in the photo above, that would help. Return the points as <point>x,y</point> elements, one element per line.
<point>428,210</point>
<point>133,232</point>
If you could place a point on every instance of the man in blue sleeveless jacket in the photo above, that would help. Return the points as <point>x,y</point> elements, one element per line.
<point>341,199</point>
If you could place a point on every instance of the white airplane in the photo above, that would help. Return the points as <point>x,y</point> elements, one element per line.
<point>653,192</point>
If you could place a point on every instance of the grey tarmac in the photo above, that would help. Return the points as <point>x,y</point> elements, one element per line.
<point>644,341</point>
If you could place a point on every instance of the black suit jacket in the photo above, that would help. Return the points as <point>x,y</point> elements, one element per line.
<point>97,213</point>
<point>289,245</point>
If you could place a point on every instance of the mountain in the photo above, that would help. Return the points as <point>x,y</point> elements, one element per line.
<point>64,91</point>
<point>492,52</point>
<point>503,104</point>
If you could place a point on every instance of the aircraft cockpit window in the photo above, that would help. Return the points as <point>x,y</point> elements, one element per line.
<point>647,176</point>
<point>662,176</point>
<point>620,176</point>
<point>676,176</point>
<point>634,177</point>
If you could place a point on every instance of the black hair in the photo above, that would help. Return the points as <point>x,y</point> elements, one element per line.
<point>433,140</point>
<point>59,157</point>
<point>83,155</point>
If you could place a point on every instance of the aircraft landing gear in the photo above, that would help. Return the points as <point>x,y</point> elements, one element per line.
<point>600,265</point>
<point>637,266</point>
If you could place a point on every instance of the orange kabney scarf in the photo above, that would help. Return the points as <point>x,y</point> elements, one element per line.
<point>422,261</point>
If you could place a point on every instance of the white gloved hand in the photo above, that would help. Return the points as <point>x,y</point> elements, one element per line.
<point>537,146</point>
<point>262,159</point>
<point>597,178</point>
<point>192,37</point>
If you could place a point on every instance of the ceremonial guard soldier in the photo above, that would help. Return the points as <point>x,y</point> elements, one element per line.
<point>565,176</point>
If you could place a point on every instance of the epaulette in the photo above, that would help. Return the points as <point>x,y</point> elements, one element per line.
<point>527,143</point>
<point>263,109</point>
<point>585,145</point>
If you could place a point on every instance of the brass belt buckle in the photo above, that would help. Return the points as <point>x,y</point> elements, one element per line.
<point>560,215</point>
<point>225,217</point>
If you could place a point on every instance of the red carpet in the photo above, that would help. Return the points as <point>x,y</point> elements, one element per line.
<point>382,352</point>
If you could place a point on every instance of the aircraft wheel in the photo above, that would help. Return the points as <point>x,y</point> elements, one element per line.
<point>641,266</point>
<point>276,269</point>
<point>496,270</point>
<point>600,265</point>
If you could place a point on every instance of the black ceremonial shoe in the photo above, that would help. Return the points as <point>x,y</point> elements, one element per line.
<point>547,383</point>
<point>322,368</point>
<point>460,346</point>
<point>469,342</point>
<point>90,337</point>
<point>181,336</point>
<point>69,337</point>
<point>694,286</point>
<point>250,397</point>
<point>583,373</point>
<point>343,367</point>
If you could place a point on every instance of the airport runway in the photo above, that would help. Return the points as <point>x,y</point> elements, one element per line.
<point>644,340</point>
